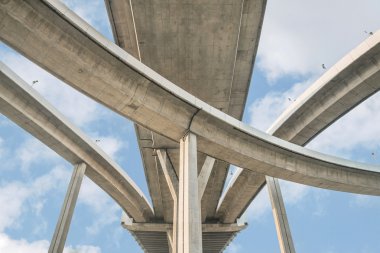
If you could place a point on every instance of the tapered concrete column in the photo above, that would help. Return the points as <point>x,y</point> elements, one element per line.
<point>189,229</point>
<point>282,225</point>
<point>172,181</point>
<point>204,175</point>
<point>59,238</point>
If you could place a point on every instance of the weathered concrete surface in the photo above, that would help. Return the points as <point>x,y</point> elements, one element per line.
<point>341,88</point>
<point>62,228</point>
<point>23,105</point>
<point>245,184</point>
<point>55,38</point>
<point>151,236</point>
<point>172,181</point>
<point>205,47</point>
<point>189,223</point>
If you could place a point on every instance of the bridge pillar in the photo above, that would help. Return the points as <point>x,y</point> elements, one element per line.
<point>62,228</point>
<point>280,218</point>
<point>189,224</point>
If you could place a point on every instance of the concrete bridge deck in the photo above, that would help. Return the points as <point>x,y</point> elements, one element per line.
<point>55,38</point>
<point>207,48</point>
<point>349,82</point>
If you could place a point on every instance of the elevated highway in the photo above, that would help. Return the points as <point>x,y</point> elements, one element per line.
<point>55,38</point>
<point>205,47</point>
<point>24,106</point>
<point>349,82</point>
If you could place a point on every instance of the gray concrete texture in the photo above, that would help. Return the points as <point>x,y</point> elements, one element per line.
<point>69,48</point>
<point>205,47</point>
<point>92,64</point>
<point>341,88</point>
<point>55,38</point>
<point>24,106</point>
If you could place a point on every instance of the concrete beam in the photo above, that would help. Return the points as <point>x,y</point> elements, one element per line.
<point>169,172</point>
<point>220,77</point>
<point>62,228</point>
<point>204,175</point>
<point>163,227</point>
<point>111,76</point>
<point>173,184</point>
<point>244,184</point>
<point>280,218</point>
<point>189,228</point>
<point>23,105</point>
<point>151,171</point>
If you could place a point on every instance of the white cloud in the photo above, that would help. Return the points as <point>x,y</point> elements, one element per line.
<point>9,245</point>
<point>264,111</point>
<point>110,145</point>
<point>105,209</point>
<point>13,196</point>
<point>33,151</point>
<point>298,36</point>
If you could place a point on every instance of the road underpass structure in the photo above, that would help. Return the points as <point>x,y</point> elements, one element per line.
<point>181,71</point>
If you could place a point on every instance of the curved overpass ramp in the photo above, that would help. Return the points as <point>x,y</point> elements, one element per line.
<point>21,104</point>
<point>349,82</point>
<point>73,51</point>
<point>56,39</point>
<point>207,48</point>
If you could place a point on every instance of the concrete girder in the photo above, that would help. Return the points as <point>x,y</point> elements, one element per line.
<point>173,184</point>
<point>72,50</point>
<point>349,82</point>
<point>226,35</point>
<point>24,106</point>
<point>204,175</point>
<point>246,184</point>
<point>215,236</point>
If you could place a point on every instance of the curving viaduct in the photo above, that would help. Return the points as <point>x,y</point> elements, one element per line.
<point>193,141</point>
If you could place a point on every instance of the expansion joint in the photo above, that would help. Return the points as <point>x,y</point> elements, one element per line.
<point>187,131</point>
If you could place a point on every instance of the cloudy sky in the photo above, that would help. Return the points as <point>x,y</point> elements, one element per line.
<point>298,37</point>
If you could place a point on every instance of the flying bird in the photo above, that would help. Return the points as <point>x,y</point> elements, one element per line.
<point>323,66</point>
<point>97,140</point>
<point>370,33</point>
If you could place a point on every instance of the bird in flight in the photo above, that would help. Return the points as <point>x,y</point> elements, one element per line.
<point>323,66</point>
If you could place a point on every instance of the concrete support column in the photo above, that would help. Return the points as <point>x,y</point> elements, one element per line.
<point>189,229</point>
<point>172,181</point>
<point>282,225</point>
<point>59,238</point>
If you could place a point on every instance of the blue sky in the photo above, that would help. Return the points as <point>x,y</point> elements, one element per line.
<point>298,37</point>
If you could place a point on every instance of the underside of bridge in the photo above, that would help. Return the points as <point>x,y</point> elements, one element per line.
<point>181,72</point>
<point>208,48</point>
